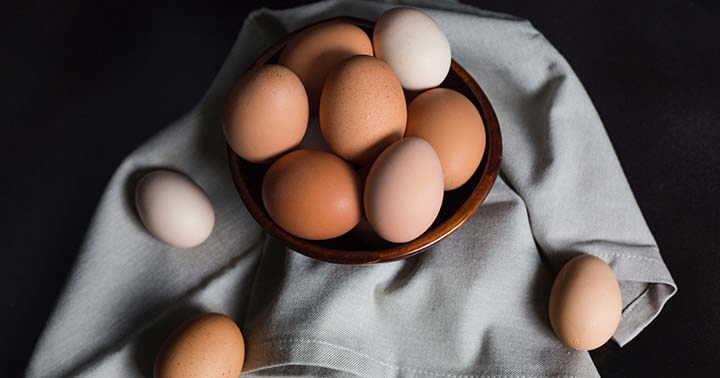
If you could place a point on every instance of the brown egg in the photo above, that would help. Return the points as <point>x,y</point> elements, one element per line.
<point>404,190</point>
<point>267,113</point>
<point>585,303</point>
<point>453,126</point>
<point>312,194</point>
<point>208,346</point>
<point>362,109</point>
<point>317,50</point>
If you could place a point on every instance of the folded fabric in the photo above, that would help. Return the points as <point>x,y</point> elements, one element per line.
<point>473,306</point>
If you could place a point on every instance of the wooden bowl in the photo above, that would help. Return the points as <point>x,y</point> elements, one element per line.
<point>458,205</point>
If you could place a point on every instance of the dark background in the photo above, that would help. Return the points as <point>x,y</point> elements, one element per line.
<point>83,83</point>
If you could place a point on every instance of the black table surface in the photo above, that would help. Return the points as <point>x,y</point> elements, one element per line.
<point>84,83</point>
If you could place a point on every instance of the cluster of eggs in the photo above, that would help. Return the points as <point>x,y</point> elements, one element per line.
<point>379,165</point>
<point>376,158</point>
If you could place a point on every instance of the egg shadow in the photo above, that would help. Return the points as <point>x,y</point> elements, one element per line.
<point>147,342</point>
<point>409,269</point>
<point>210,145</point>
<point>541,283</point>
<point>150,341</point>
<point>270,278</point>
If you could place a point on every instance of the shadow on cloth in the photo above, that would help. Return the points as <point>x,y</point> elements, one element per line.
<point>157,322</point>
<point>149,342</point>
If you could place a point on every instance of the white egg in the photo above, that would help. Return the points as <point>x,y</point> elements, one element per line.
<point>174,209</point>
<point>415,48</point>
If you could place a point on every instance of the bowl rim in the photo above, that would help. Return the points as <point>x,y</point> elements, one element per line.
<point>432,236</point>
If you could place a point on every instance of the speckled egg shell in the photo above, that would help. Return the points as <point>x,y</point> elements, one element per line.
<point>210,346</point>
<point>362,109</point>
<point>314,52</point>
<point>267,113</point>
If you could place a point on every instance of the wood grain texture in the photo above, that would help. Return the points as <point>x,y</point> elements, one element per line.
<point>458,205</point>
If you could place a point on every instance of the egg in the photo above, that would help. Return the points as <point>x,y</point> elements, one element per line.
<point>315,51</point>
<point>208,346</point>
<point>404,190</point>
<point>414,47</point>
<point>312,194</point>
<point>362,109</point>
<point>585,303</point>
<point>173,208</point>
<point>266,114</point>
<point>453,126</point>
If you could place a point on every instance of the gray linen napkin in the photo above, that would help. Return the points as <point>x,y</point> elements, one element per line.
<point>474,306</point>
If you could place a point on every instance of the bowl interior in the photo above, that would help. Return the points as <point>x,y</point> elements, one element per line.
<point>458,205</point>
